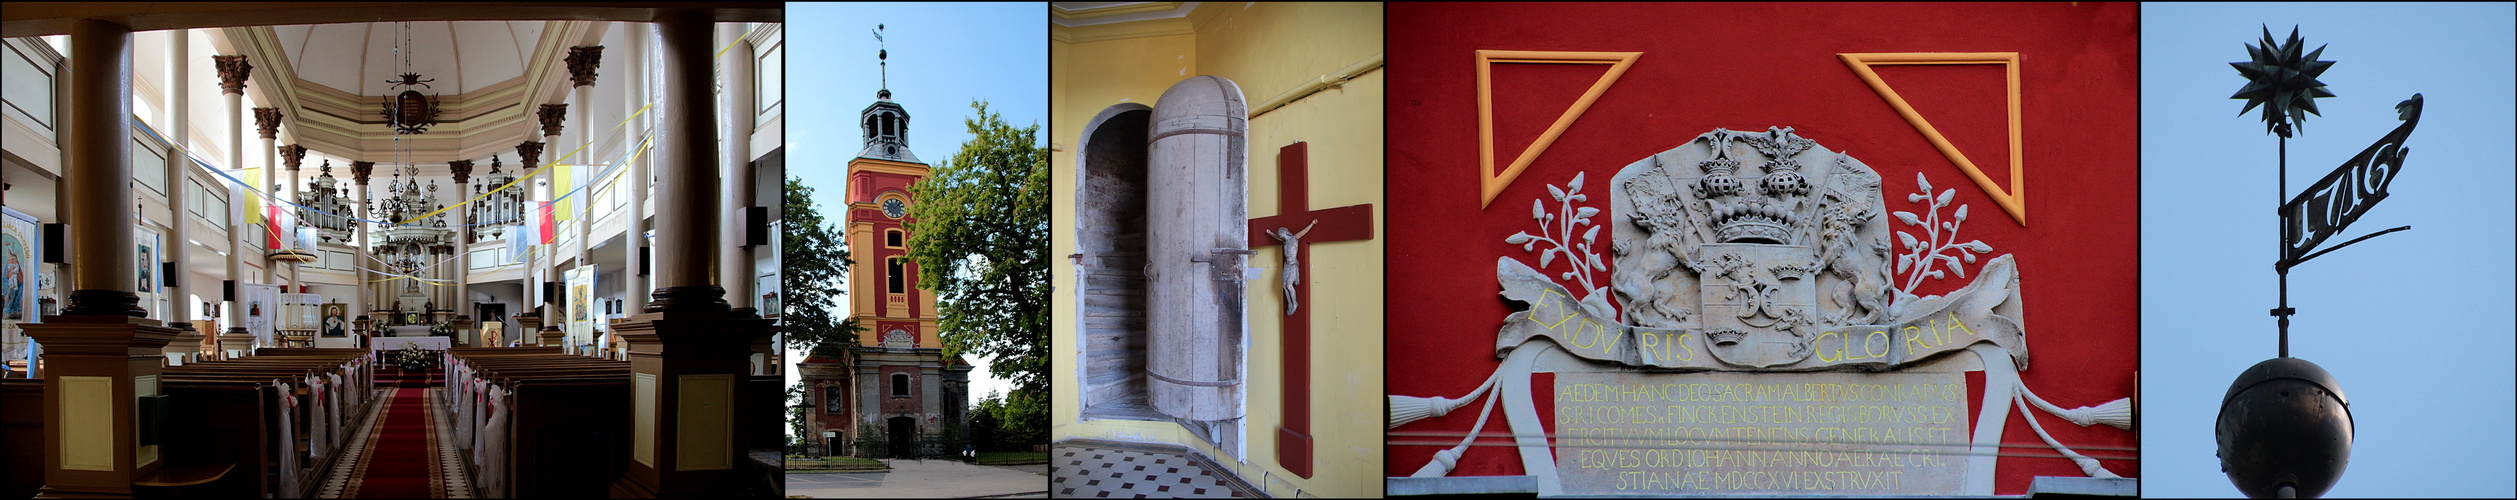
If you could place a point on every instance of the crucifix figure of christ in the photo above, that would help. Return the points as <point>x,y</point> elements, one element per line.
<point>1347,223</point>
<point>1292,274</point>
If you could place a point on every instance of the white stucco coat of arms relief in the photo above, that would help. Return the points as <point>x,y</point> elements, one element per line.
<point>1742,260</point>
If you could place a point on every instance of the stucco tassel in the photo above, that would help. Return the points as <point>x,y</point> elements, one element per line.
<point>2117,413</point>
<point>1441,465</point>
<point>1406,409</point>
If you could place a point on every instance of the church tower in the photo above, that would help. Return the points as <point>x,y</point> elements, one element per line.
<point>883,284</point>
<point>896,395</point>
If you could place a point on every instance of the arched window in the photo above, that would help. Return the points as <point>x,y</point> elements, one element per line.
<point>869,127</point>
<point>888,126</point>
<point>895,275</point>
<point>899,385</point>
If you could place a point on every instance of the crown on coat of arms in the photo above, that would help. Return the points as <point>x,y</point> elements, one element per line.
<point>1765,211</point>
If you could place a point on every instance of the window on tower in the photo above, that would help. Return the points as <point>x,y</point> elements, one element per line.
<point>891,238</point>
<point>833,401</point>
<point>899,385</point>
<point>894,274</point>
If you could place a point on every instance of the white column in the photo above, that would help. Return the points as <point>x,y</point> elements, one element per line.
<point>585,198</point>
<point>634,285</point>
<point>288,233</point>
<point>178,245</point>
<point>234,337</point>
<point>550,190</point>
<point>359,172</point>
<point>270,175</point>
<point>462,263</point>
<point>734,128</point>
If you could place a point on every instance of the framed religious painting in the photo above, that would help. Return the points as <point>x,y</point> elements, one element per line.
<point>336,320</point>
<point>1762,249</point>
<point>20,237</point>
<point>146,265</point>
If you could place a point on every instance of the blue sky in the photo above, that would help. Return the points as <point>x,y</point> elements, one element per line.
<point>943,55</point>
<point>2414,324</point>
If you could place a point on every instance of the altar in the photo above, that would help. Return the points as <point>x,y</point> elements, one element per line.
<point>397,343</point>
<point>408,330</point>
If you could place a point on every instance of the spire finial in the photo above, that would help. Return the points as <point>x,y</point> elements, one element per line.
<point>882,59</point>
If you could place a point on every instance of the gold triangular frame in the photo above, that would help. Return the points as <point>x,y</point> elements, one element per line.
<point>1491,183</point>
<point>2013,199</point>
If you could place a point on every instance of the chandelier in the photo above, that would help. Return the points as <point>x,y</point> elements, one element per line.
<point>408,234</point>
<point>327,207</point>
<point>492,213</point>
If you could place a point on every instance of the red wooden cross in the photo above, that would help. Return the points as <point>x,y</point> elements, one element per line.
<point>1293,212</point>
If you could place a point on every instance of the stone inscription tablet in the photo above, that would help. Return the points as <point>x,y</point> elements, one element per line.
<point>1635,433</point>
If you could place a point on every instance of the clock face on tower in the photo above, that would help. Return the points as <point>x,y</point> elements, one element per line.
<point>893,208</point>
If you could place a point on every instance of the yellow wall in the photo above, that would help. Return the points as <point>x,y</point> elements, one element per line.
<point>1267,49</point>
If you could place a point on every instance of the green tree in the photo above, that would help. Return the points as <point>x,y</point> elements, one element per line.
<point>814,263</point>
<point>796,418</point>
<point>980,235</point>
<point>1023,421</point>
<point>983,424</point>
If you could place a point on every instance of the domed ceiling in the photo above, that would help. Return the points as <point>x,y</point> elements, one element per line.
<point>362,58</point>
<point>489,77</point>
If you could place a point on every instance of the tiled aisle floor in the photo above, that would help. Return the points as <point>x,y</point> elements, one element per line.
<point>1082,471</point>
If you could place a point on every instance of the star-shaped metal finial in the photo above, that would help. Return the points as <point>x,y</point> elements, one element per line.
<point>2283,81</point>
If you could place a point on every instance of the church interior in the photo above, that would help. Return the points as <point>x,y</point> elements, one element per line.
<point>345,250</point>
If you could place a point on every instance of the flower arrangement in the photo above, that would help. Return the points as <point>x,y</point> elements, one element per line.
<point>412,358</point>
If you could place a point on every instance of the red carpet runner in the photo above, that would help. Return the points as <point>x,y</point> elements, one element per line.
<point>399,460</point>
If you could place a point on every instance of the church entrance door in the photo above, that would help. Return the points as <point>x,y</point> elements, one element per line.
<point>1197,242</point>
<point>904,437</point>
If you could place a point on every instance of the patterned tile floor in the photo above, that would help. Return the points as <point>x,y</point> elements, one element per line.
<point>1093,471</point>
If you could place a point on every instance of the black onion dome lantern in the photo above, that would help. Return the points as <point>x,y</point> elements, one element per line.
<point>2284,430</point>
<point>2281,78</point>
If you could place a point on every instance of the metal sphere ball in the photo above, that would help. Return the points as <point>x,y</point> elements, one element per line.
<point>2284,423</point>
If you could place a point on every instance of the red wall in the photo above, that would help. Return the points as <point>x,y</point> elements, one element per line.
<point>908,405</point>
<point>1746,67</point>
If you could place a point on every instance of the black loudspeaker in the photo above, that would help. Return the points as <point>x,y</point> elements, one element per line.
<point>227,290</point>
<point>550,291</point>
<point>56,239</point>
<point>167,278</point>
<point>755,226</point>
<point>645,254</point>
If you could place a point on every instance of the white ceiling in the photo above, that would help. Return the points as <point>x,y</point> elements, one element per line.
<point>1075,14</point>
<point>361,58</point>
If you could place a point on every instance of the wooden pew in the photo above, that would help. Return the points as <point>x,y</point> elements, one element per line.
<point>22,431</point>
<point>528,415</point>
<point>225,413</point>
<point>240,420</point>
<point>225,391</point>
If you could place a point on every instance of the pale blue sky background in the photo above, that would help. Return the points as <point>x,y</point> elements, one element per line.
<point>2415,324</point>
<point>943,55</point>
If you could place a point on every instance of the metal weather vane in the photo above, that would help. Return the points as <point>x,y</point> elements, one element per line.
<point>2281,79</point>
<point>2285,428</point>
